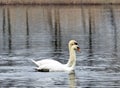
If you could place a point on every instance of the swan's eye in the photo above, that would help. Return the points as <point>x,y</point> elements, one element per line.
<point>76,43</point>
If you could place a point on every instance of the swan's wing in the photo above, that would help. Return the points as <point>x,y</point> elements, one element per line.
<point>52,67</point>
<point>46,62</point>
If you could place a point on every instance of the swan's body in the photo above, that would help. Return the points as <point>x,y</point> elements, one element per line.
<point>53,65</point>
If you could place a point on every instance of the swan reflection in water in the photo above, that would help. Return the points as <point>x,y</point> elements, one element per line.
<point>72,82</point>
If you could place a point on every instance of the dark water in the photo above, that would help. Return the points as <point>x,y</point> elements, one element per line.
<point>39,32</point>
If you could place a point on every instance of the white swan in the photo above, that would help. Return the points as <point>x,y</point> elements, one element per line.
<point>46,61</point>
<point>53,65</point>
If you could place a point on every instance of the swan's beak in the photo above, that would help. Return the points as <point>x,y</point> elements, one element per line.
<point>78,49</point>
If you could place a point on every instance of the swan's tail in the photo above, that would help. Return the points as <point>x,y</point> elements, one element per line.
<point>34,62</point>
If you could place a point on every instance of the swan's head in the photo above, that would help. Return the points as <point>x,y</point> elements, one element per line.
<point>76,47</point>
<point>72,42</point>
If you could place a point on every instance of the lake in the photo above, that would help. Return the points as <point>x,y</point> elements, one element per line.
<point>40,32</point>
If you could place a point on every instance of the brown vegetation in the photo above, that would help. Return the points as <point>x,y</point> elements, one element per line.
<point>59,1</point>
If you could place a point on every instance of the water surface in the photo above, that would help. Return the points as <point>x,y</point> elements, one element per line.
<point>39,32</point>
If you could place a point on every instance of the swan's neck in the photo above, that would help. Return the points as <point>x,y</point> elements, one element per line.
<point>72,59</point>
<point>69,47</point>
<point>69,61</point>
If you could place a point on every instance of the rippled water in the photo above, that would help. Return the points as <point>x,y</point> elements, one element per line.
<point>39,32</point>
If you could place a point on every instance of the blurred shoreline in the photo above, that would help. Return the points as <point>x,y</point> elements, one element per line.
<point>59,2</point>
